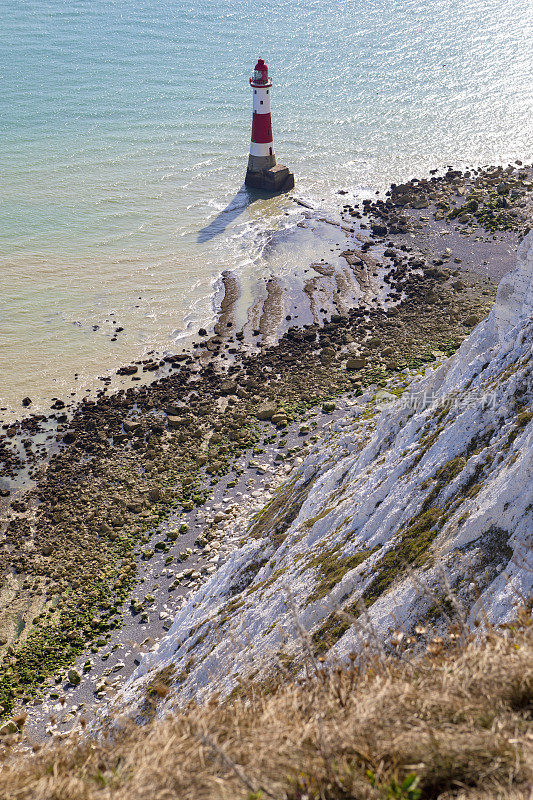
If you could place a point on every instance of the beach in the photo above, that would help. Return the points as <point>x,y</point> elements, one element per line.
<point>115,509</point>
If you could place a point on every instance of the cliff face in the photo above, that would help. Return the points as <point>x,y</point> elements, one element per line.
<point>424,513</point>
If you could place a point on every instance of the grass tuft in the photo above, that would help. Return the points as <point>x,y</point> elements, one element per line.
<point>456,723</point>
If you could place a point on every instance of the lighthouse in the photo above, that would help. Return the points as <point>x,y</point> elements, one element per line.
<point>263,171</point>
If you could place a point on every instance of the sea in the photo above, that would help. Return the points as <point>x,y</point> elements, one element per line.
<point>125,129</point>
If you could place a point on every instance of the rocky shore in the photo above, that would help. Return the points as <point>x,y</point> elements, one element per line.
<point>116,510</point>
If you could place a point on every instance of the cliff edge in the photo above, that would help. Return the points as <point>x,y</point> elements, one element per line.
<point>417,509</point>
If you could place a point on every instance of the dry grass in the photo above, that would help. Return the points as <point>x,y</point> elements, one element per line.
<point>458,719</point>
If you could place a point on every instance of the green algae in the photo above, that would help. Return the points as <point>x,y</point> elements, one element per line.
<point>332,567</point>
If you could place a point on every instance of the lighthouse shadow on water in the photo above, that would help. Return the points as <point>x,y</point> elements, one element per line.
<point>239,203</point>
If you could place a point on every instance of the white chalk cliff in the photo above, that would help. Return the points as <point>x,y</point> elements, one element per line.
<point>424,513</point>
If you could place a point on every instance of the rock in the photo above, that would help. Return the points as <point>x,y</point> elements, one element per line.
<point>175,409</point>
<point>280,419</point>
<point>8,728</point>
<point>266,410</point>
<point>151,366</point>
<point>26,401</point>
<point>327,355</point>
<point>176,422</point>
<point>130,425</point>
<point>355,362</point>
<point>74,677</point>
<point>471,320</point>
<point>228,386</point>
<point>220,516</point>
<point>105,528</point>
<point>154,495</point>
<point>136,605</point>
<point>379,230</point>
<point>328,407</point>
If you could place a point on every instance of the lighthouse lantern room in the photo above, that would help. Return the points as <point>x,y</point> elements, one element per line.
<point>263,172</point>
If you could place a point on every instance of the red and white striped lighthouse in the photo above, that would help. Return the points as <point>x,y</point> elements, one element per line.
<point>262,145</point>
<point>263,172</point>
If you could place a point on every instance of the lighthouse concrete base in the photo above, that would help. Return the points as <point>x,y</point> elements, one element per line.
<point>274,179</point>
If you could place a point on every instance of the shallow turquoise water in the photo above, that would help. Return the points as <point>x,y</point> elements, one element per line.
<point>125,131</point>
